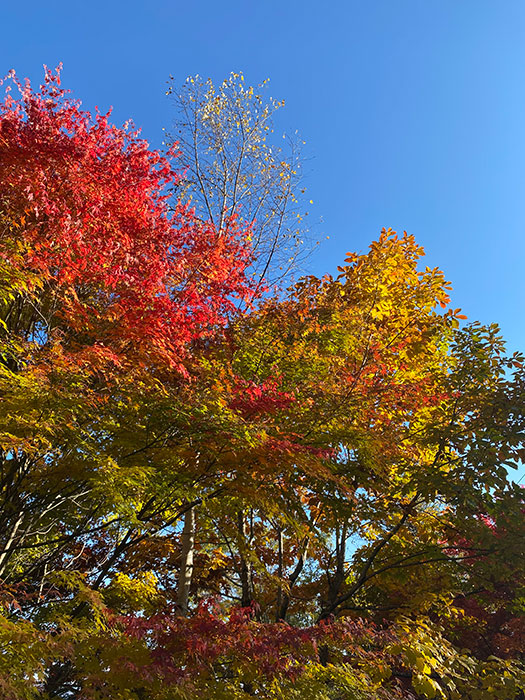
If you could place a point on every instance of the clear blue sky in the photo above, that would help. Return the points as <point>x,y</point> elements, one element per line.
<point>413,110</point>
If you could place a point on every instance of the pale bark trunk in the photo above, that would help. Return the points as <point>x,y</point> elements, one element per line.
<point>5,555</point>
<point>186,566</point>
<point>246,572</point>
<point>279,604</point>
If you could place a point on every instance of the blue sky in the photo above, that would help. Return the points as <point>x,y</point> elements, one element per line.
<point>413,111</point>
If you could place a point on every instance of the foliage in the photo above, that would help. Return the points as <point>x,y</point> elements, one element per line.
<point>234,164</point>
<point>342,448</point>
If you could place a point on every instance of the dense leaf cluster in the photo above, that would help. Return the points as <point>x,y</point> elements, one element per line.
<point>209,493</point>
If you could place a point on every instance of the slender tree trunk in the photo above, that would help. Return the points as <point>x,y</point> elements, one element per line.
<point>285,595</point>
<point>246,569</point>
<point>186,565</point>
<point>337,578</point>
<point>279,604</point>
<point>5,555</point>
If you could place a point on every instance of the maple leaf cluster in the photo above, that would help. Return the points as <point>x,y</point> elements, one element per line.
<point>87,220</point>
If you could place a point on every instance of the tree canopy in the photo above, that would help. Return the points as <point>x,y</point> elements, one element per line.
<point>211,490</point>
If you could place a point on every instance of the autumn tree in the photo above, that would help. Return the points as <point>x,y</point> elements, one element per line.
<point>319,483</point>
<point>234,164</point>
<point>104,290</point>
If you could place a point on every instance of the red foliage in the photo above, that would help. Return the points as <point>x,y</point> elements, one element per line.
<point>490,628</point>
<point>86,211</point>
<point>264,398</point>
<point>186,648</point>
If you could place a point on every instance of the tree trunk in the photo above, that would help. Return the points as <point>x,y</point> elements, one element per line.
<point>279,603</point>
<point>337,578</point>
<point>186,565</point>
<point>284,596</point>
<point>246,572</point>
